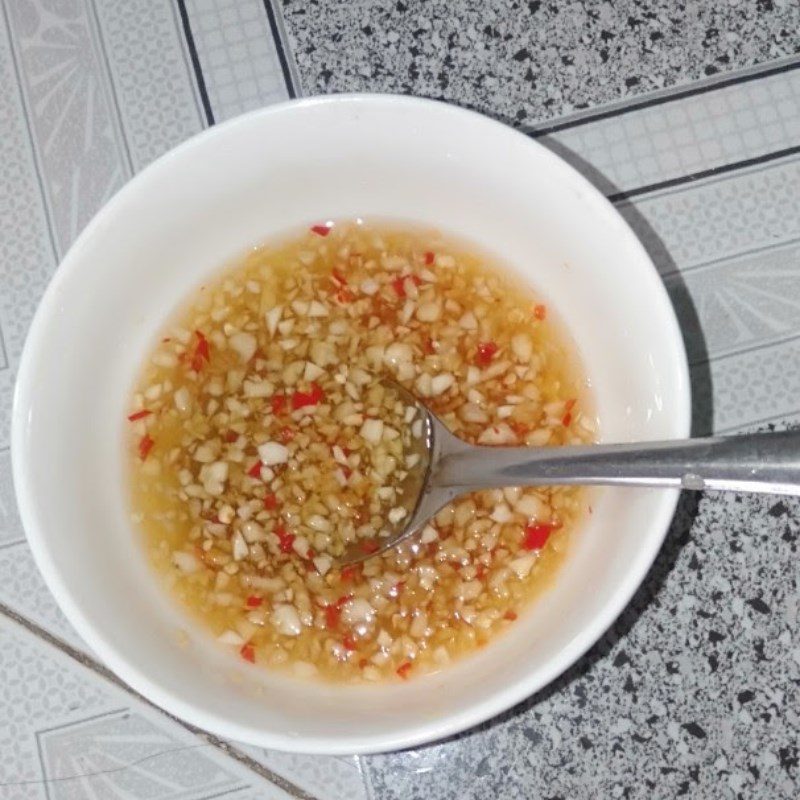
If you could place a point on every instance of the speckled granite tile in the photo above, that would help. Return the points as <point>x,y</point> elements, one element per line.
<point>694,692</point>
<point>529,61</point>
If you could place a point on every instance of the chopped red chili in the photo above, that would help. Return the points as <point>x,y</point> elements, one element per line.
<point>202,352</point>
<point>429,257</point>
<point>349,643</point>
<point>231,436</point>
<point>139,415</point>
<point>248,653</point>
<point>566,419</point>
<point>253,601</point>
<point>370,546</point>
<point>404,669</point>
<point>332,614</point>
<point>536,535</point>
<point>321,230</point>
<point>539,311</point>
<point>429,346</point>
<point>285,540</point>
<point>270,501</point>
<point>278,403</point>
<point>510,615</point>
<point>311,398</point>
<point>286,434</point>
<point>486,352</point>
<point>345,296</point>
<point>255,470</point>
<point>399,285</point>
<point>145,446</point>
<point>349,573</point>
<point>338,276</point>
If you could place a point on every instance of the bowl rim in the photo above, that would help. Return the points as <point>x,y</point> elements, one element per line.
<point>346,743</point>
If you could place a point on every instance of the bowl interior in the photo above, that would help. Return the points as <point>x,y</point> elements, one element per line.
<point>205,203</point>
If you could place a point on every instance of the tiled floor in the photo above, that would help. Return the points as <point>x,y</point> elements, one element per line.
<point>690,121</point>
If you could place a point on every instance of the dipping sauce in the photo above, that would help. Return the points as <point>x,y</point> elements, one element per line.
<point>262,440</point>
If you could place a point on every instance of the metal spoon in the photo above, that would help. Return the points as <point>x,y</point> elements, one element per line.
<point>449,467</point>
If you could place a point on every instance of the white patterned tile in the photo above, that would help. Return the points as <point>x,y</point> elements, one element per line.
<point>75,127</point>
<point>152,79</point>
<point>739,303</point>
<point>692,134</point>
<point>720,217</point>
<point>26,254</point>
<point>238,55</point>
<point>67,734</point>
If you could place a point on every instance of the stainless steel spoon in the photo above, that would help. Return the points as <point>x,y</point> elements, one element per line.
<point>449,467</point>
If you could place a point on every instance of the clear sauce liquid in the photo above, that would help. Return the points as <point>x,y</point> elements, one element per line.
<point>262,442</point>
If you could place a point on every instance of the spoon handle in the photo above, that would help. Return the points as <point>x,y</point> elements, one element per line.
<point>759,462</point>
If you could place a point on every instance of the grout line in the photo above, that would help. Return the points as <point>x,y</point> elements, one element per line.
<point>759,168</point>
<point>753,348</point>
<point>195,59</point>
<point>281,47</point>
<point>187,64</point>
<point>670,95</point>
<point>705,173</point>
<point>775,418</point>
<point>771,247</point>
<point>209,738</point>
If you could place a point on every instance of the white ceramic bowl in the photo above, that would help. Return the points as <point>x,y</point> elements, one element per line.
<point>234,186</point>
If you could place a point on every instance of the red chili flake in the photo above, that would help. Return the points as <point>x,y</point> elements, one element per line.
<point>536,535</point>
<point>566,419</point>
<point>539,311</point>
<point>311,398</point>
<point>429,346</point>
<point>349,643</point>
<point>486,352</point>
<point>202,352</point>
<point>398,284</point>
<point>362,662</point>
<point>253,601</point>
<point>145,446</point>
<point>345,296</point>
<point>278,403</point>
<point>480,571</point>
<point>255,470</point>
<point>344,599</point>
<point>321,230</point>
<point>248,653</point>
<point>231,436</point>
<point>270,501</point>
<point>332,614</point>
<point>571,404</point>
<point>139,415</point>
<point>338,276</point>
<point>521,430</point>
<point>404,669</point>
<point>399,586</point>
<point>429,257</point>
<point>349,573</point>
<point>510,616</point>
<point>286,540</point>
<point>370,546</point>
<point>286,434</point>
